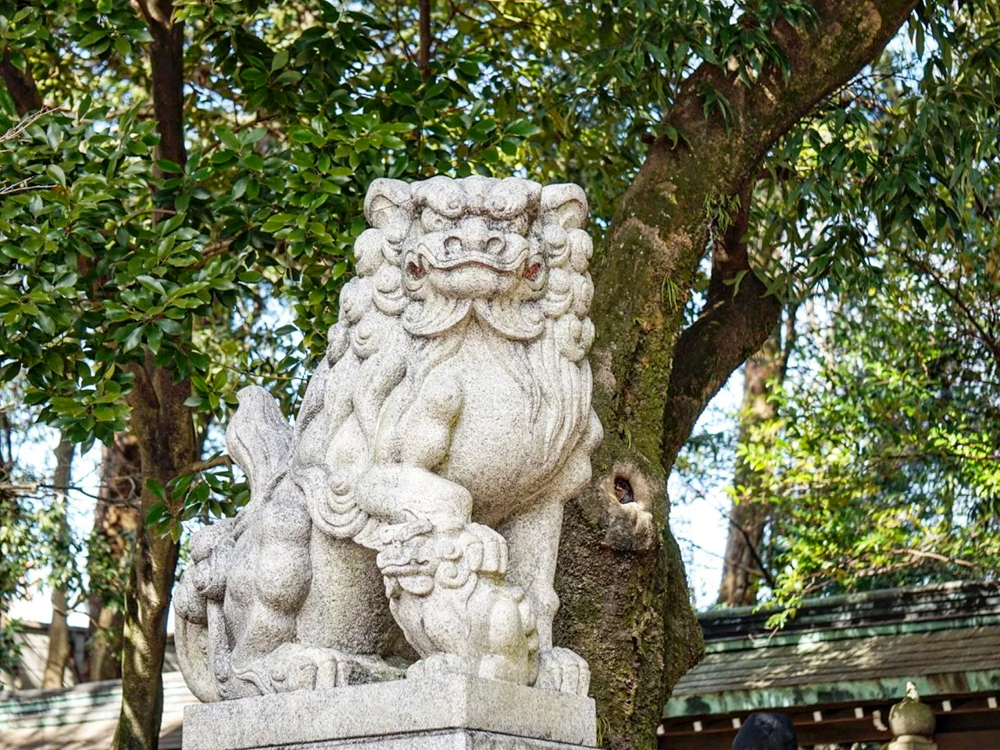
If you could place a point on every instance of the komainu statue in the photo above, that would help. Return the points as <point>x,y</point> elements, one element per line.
<point>412,516</point>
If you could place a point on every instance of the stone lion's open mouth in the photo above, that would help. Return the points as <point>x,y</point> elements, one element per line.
<point>423,262</point>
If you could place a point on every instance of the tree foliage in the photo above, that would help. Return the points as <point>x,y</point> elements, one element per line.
<point>878,215</point>
<point>181,186</point>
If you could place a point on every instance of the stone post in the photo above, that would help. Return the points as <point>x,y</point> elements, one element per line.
<point>911,723</point>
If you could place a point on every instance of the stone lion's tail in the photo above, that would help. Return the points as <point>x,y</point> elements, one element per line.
<point>259,440</point>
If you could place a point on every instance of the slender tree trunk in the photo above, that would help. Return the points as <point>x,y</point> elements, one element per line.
<point>744,565</point>
<point>9,512</point>
<point>424,51</point>
<point>625,606</point>
<point>116,522</point>
<point>20,85</point>
<point>60,646</point>
<point>165,434</point>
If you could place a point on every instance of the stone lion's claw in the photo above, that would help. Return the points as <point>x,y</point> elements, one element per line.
<point>494,557</point>
<point>564,671</point>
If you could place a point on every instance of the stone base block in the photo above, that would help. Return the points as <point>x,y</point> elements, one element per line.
<point>455,739</point>
<point>911,742</point>
<point>443,713</point>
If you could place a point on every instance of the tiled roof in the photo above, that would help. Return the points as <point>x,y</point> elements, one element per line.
<point>82,717</point>
<point>946,639</point>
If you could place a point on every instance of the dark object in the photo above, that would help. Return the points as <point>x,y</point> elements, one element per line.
<point>766,732</point>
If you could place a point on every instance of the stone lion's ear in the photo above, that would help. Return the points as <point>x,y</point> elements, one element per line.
<point>567,203</point>
<point>388,207</point>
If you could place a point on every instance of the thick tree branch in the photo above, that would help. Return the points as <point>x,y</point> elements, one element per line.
<point>164,431</point>
<point>660,230</point>
<point>738,317</point>
<point>201,466</point>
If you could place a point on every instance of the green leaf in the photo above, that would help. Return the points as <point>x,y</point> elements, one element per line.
<point>105,413</point>
<point>240,187</point>
<point>156,489</point>
<point>150,283</point>
<point>169,167</point>
<point>154,336</point>
<point>158,511</point>
<point>280,60</point>
<point>55,362</point>
<point>228,138</point>
<point>56,173</point>
<point>524,129</point>
<point>133,339</point>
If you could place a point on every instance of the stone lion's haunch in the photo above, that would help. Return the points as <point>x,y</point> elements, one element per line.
<point>410,521</point>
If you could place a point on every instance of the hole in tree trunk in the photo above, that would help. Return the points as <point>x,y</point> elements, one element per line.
<point>623,490</point>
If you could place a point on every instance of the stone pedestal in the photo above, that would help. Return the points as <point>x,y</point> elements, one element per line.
<point>441,713</point>
<point>912,742</point>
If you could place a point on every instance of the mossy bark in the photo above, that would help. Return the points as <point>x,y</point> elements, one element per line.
<point>625,606</point>
<point>167,444</point>
<point>164,430</point>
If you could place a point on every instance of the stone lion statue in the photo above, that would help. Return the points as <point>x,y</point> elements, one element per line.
<point>411,519</point>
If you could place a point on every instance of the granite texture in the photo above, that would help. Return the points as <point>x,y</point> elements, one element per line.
<point>440,712</point>
<point>412,516</point>
<point>456,739</point>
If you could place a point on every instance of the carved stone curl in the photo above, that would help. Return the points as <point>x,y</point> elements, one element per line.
<point>413,514</point>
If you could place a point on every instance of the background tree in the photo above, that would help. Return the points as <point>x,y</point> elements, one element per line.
<point>148,229</point>
<point>869,395</point>
<point>60,648</point>
<point>109,554</point>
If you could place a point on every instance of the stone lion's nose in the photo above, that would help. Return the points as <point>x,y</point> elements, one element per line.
<point>475,235</point>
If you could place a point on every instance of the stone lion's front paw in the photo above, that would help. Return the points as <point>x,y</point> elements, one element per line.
<point>494,550</point>
<point>292,667</point>
<point>563,670</point>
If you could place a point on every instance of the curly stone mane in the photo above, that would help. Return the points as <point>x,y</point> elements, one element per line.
<point>539,337</point>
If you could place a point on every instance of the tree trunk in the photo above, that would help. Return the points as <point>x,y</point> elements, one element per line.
<point>164,430</point>
<point>167,444</point>
<point>9,512</point>
<point>116,523</point>
<point>424,50</point>
<point>625,606</point>
<point>744,565</point>
<point>60,646</point>
<point>20,84</point>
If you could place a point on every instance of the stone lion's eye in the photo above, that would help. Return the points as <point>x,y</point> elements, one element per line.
<point>531,272</point>
<point>432,220</point>
<point>519,225</point>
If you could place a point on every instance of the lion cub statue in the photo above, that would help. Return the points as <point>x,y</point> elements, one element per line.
<point>411,519</point>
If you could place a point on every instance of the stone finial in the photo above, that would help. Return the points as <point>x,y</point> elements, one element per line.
<point>911,723</point>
